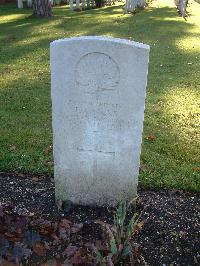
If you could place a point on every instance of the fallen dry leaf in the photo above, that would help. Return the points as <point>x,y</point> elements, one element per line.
<point>46,229</point>
<point>65,223</point>
<point>38,190</point>
<point>76,228</point>
<point>109,260</point>
<point>182,234</point>
<point>139,227</point>
<point>196,169</point>
<point>101,246</point>
<point>53,262</point>
<point>151,137</point>
<point>13,147</point>
<point>7,263</point>
<point>34,178</point>
<point>39,249</point>
<point>77,259</point>
<point>48,149</point>
<point>67,263</point>
<point>120,248</point>
<point>70,250</point>
<point>136,251</point>
<point>50,163</point>
<point>11,237</point>
<point>64,233</point>
<point>142,168</point>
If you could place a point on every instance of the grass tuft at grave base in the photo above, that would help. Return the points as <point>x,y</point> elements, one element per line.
<point>170,150</point>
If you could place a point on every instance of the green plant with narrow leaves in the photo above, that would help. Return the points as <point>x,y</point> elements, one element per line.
<point>118,237</point>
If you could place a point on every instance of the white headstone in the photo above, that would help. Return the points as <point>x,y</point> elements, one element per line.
<point>98,95</point>
<point>20,4</point>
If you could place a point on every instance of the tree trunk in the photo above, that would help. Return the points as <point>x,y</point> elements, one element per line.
<point>130,6</point>
<point>181,6</point>
<point>141,3</point>
<point>42,8</point>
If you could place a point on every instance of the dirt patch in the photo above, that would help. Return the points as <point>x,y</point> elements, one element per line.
<point>170,235</point>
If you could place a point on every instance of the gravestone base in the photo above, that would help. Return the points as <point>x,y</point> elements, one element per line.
<point>100,194</point>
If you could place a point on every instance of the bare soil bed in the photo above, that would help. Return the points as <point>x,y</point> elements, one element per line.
<point>34,231</point>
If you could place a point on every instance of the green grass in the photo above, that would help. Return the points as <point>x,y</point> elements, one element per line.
<point>173,94</point>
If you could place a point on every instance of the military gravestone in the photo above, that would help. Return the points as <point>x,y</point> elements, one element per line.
<point>98,95</point>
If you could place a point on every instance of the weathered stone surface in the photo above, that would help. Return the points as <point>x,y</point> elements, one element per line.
<point>98,94</point>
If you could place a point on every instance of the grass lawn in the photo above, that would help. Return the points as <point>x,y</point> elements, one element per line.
<point>171,139</point>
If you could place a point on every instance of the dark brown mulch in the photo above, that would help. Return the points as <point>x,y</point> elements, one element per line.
<point>170,235</point>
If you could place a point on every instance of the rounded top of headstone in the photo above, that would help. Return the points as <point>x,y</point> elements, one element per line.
<point>102,38</point>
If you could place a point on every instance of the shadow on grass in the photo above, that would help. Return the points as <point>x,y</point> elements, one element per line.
<point>162,26</point>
